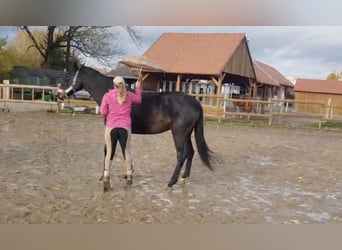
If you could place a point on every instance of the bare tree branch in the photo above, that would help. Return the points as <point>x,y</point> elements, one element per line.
<point>37,45</point>
<point>102,43</point>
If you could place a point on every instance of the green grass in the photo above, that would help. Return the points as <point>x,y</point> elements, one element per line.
<point>332,124</point>
<point>238,122</point>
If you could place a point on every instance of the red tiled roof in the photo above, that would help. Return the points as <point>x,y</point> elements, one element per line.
<point>194,53</point>
<point>319,86</point>
<point>269,75</point>
<point>262,76</point>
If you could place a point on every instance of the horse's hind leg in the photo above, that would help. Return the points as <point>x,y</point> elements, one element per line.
<point>104,160</point>
<point>123,137</point>
<point>189,155</point>
<point>181,153</point>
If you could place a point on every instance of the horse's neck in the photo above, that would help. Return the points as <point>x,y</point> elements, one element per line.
<point>98,88</point>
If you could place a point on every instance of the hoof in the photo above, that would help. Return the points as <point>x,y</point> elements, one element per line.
<point>170,184</point>
<point>129,180</point>
<point>181,181</point>
<point>106,185</point>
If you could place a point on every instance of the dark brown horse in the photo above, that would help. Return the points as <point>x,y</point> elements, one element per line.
<point>244,106</point>
<point>157,113</point>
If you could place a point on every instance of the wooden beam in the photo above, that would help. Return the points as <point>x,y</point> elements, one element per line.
<point>214,80</point>
<point>144,76</point>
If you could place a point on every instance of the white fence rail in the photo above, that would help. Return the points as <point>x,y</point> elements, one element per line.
<point>21,93</point>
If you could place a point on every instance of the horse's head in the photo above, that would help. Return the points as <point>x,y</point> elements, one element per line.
<point>90,80</point>
<point>76,85</point>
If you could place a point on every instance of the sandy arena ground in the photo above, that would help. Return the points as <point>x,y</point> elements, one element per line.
<point>50,165</point>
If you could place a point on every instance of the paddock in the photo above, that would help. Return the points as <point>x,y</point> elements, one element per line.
<point>50,165</point>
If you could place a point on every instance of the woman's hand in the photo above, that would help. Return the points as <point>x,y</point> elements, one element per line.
<point>138,83</point>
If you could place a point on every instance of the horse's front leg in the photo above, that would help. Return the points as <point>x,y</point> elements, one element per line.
<point>108,159</point>
<point>106,166</point>
<point>104,161</point>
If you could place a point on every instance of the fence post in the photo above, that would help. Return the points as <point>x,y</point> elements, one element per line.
<point>270,103</point>
<point>218,109</point>
<point>6,93</point>
<point>321,116</point>
<point>327,114</point>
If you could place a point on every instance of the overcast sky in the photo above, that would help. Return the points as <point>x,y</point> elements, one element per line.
<point>295,51</point>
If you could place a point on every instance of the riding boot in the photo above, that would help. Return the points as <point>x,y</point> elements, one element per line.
<point>129,180</point>
<point>106,184</point>
<point>106,168</point>
<point>106,181</point>
<point>129,175</point>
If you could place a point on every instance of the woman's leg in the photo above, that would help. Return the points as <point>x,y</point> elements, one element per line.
<point>128,161</point>
<point>108,161</point>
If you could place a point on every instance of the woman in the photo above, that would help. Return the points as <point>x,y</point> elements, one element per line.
<point>116,106</point>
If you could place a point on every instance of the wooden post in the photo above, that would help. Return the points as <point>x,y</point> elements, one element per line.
<point>328,109</point>
<point>271,111</point>
<point>255,89</point>
<point>6,93</point>
<point>321,117</point>
<point>218,83</point>
<point>178,83</point>
<point>218,110</point>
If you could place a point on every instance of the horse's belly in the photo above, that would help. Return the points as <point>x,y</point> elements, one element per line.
<point>150,128</point>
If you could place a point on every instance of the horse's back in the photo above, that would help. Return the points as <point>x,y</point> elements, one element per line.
<point>159,110</point>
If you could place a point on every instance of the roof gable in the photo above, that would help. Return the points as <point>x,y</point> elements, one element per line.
<point>319,86</point>
<point>269,75</point>
<point>195,53</point>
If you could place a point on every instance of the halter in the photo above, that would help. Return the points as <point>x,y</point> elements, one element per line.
<point>73,83</point>
<point>75,78</point>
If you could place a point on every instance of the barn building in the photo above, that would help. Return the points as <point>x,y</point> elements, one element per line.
<point>327,92</point>
<point>201,63</point>
<point>271,83</point>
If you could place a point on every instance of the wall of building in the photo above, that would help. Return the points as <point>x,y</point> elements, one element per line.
<point>335,100</point>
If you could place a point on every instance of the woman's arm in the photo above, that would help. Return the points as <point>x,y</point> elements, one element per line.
<point>136,97</point>
<point>104,108</point>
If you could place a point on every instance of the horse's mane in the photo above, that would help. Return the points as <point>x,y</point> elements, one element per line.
<point>94,71</point>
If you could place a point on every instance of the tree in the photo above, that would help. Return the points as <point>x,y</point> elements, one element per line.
<point>6,59</point>
<point>24,50</point>
<point>335,76</point>
<point>73,42</point>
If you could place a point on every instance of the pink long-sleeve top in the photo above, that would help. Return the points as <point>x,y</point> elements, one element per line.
<point>119,115</point>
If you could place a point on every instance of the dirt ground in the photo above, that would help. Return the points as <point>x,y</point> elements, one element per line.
<point>50,166</point>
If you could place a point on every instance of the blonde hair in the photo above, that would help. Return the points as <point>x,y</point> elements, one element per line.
<point>120,82</point>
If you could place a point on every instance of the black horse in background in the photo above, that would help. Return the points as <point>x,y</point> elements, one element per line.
<point>157,113</point>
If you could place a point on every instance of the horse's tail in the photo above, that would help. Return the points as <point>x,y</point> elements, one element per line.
<point>202,147</point>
